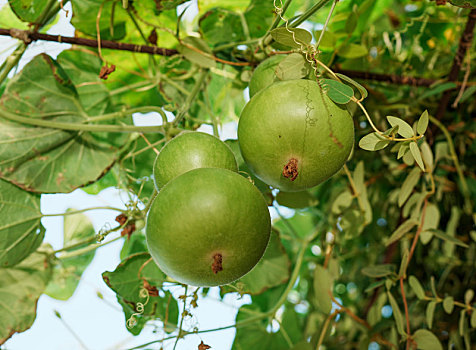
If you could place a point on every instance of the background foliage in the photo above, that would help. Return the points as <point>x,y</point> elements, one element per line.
<point>383,252</point>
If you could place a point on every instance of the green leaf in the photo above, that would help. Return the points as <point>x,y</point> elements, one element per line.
<point>416,154</point>
<point>197,51</point>
<point>467,4</point>
<point>462,322</point>
<point>363,91</point>
<point>294,66</point>
<point>292,37</point>
<point>28,10</point>
<point>416,287</point>
<point>219,25</point>
<point>373,142</point>
<point>438,89</point>
<point>20,288</point>
<point>303,345</point>
<point>403,150</point>
<point>255,335</point>
<point>468,93</point>
<point>130,276</point>
<point>473,319</point>
<point>351,22</point>
<point>337,91</point>
<point>431,221</point>
<point>352,51</point>
<point>397,314</point>
<point>426,340</point>
<point>404,128</point>
<point>328,40</point>
<point>342,202</point>
<point>422,123</point>
<point>408,185</point>
<point>450,239</point>
<point>468,296</point>
<point>236,5</point>
<point>258,17</point>
<point>112,24</point>
<point>66,275</point>
<point>302,223</point>
<point>272,270</point>
<point>10,20</point>
<point>322,289</point>
<point>296,200</point>
<point>405,227</point>
<point>42,159</point>
<point>430,311</point>
<point>427,155</point>
<point>377,271</point>
<point>448,304</point>
<point>21,232</point>
<point>82,67</point>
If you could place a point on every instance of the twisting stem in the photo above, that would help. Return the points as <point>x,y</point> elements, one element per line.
<point>326,23</point>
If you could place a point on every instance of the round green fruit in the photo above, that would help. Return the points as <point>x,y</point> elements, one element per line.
<point>191,150</point>
<point>208,227</point>
<point>293,137</point>
<point>265,74</point>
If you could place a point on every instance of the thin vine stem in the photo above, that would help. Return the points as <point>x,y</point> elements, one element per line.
<point>181,317</point>
<point>90,248</point>
<point>468,206</point>
<point>354,188</point>
<point>82,127</point>
<point>390,138</point>
<point>308,13</point>
<point>191,97</point>
<point>325,327</point>
<point>407,317</point>
<point>73,212</point>
<point>334,3</point>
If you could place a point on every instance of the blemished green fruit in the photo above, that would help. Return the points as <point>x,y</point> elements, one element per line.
<point>293,137</point>
<point>208,227</point>
<point>265,74</point>
<point>191,150</point>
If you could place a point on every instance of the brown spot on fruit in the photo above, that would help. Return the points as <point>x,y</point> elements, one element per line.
<point>217,263</point>
<point>290,170</point>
